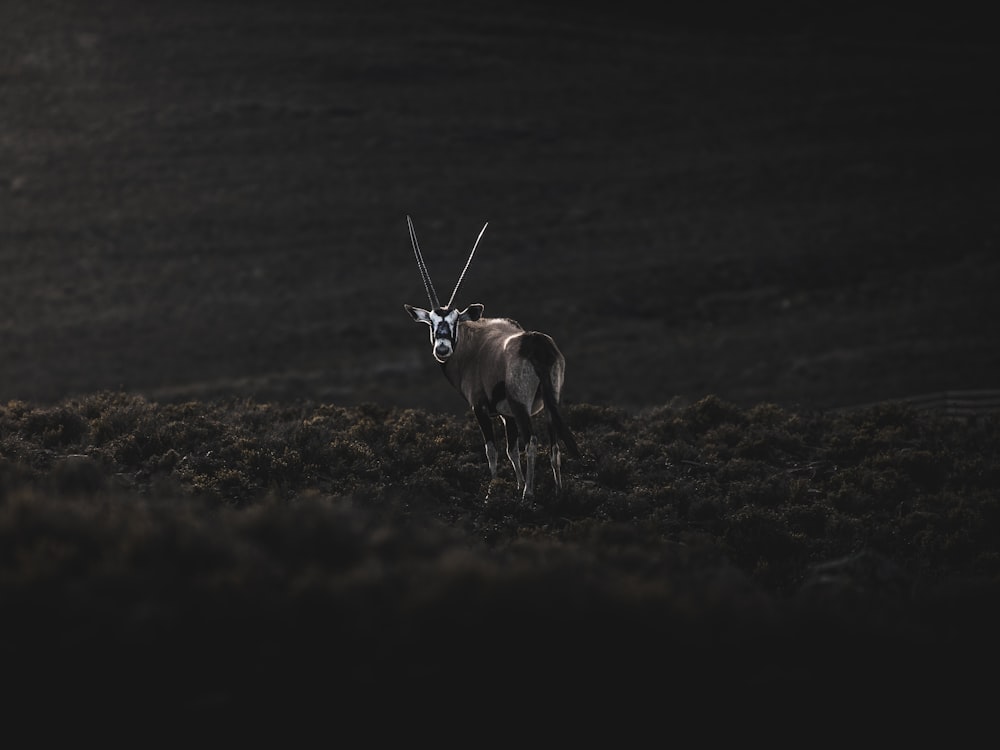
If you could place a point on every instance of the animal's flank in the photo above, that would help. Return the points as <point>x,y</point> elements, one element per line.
<point>498,394</point>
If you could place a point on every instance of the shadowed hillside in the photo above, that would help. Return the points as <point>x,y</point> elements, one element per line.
<point>767,203</point>
<point>205,556</point>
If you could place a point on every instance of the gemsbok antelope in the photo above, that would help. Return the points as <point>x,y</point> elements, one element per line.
<point>502,371</point>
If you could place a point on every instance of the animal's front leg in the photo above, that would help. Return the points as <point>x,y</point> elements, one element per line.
<point>514,450</point>
<point>491,458</point>
<point>489,436</point>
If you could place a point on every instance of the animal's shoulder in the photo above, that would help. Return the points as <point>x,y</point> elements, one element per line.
<point>499,323</point>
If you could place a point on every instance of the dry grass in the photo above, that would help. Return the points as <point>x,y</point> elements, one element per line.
<point>223,554</point>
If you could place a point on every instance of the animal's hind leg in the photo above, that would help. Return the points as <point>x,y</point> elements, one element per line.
<point>530,448</point>
<point>554,456</point>
<point>513,449</point>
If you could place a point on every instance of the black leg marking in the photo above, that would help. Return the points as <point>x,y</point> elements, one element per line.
<point>514,449</point>
<point>554,457</point>
<point>482,413</point>
<point>527,435</point>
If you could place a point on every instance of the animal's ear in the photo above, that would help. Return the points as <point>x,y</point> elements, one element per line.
<point>472,312</point>
<point>418,314</point>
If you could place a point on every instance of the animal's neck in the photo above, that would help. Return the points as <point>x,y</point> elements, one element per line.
<point>479,344</point>
<point>451,370</point>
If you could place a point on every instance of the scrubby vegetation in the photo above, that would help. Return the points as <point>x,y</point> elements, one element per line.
<point>229,552</point>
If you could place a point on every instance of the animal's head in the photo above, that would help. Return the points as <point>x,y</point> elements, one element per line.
<point>444,326</point>
<point>443,319</point>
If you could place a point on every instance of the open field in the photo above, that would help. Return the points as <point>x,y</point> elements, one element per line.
<point>209,199</point>
<point>232,477</point>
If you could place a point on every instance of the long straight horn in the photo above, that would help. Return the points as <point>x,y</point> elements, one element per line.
<point>424,275</point>
<point>455,291</point>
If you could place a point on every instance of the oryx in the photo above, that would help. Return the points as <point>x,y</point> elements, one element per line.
<point>502,371</point>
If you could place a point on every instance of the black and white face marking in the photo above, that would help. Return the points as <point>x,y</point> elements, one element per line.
<point>444,332</point>
<point>443,323</point>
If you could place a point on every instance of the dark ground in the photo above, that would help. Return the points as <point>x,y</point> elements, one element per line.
<point>209,199</point>
<point>705,569</point>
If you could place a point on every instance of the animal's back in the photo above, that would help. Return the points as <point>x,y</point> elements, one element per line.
<point>488,335</point>
<point>503,339</point>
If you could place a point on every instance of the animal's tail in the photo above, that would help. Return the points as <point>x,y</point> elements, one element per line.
<point>552,407</point>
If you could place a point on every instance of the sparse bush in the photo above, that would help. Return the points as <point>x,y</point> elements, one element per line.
<point>711,411</point>
<point>316,516</point>
<point>585,417</point>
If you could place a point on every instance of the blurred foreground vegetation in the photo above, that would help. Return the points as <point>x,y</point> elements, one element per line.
<point>214,554</point>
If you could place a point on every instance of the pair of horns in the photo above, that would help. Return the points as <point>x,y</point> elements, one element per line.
<point>428,285</point>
